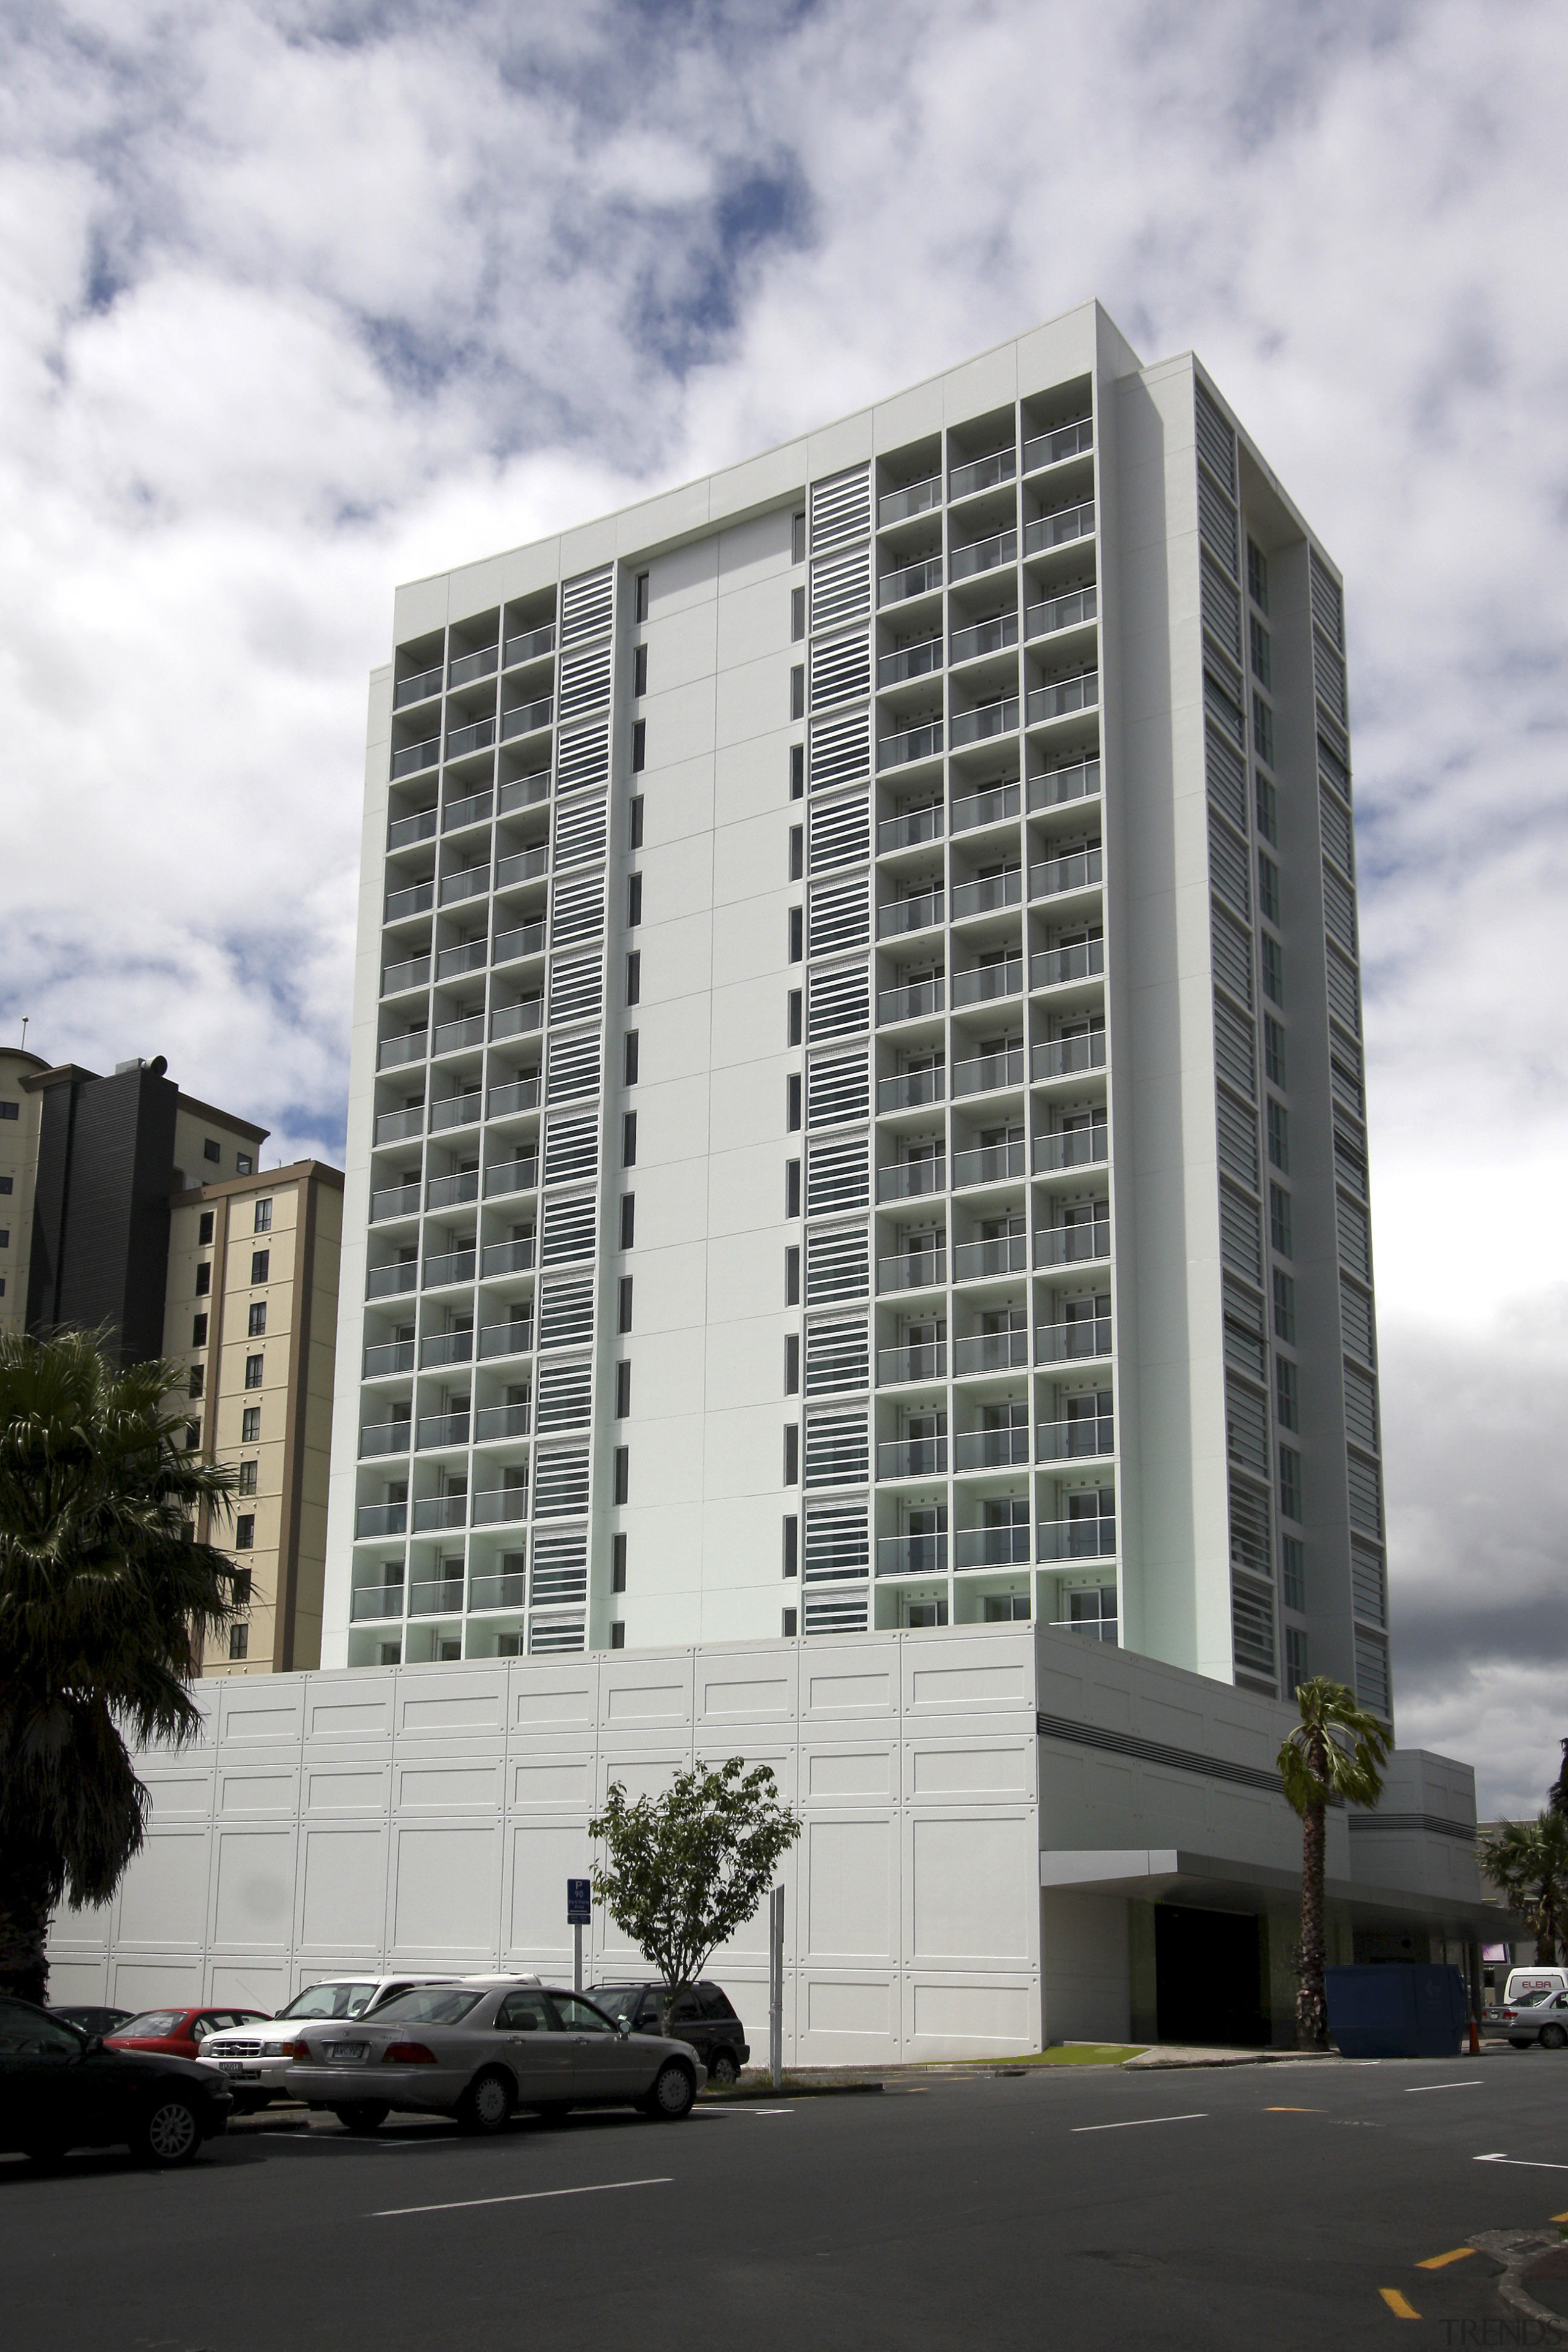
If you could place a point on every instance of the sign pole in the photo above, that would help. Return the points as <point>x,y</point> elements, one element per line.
<point>577,1956</point>
<point>775,1985</point>
<point>579,1912</point>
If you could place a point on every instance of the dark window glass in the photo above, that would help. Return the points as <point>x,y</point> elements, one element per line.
<point>792,1188</point>
<point>623,1303</point>
<point>204,1277</point>
<point>1285,1307</point>
<point>790,1544</point>
<point>623,1472</point>
<point>640,604</point>
<point>260,1265</point>
<point>618,1563</point>
<point>791,1277</point>
<point>796,852</point>
<point>1274,1050</point>
<point>797,691</point>
<point>199,1332</point>
<point>797,614</point>
<point>639,669</point>
<point>797,537</point>
<point>634,833</point>
<point>628,1219</point>
<point>210,1151</point>
<point>796,934</point>
<point>791,1456</point>
<point>796,1009</point>
<point>245,1531</point>
<point>1257,575</point>
<point>634,977</point>
<point>617,1635</point>
<point>623,1390</point>
<point>634,900</point>
<point>1287,1398</point>
<point>253,1371</point>
<point>792,1363</point>
<point>629,1123</point>
<point>1267,811</point>
<point>1268,886</point>
<point>792,1085</point>
<point>796,770</point>
<point>1263,729</point>
<point>257,1320</point>
<point>640,746</point>
<point>631,1057</point>
<point>205,1228</point>
<point>1289,1482</point>
<point>790,1620</point>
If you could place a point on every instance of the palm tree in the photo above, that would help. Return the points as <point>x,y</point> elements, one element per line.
<point>1336,1750</point>
<point>105,1599</point>
<point>1526,1862</point>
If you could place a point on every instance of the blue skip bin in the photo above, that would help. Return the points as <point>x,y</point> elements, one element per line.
<point>1399,2009</point>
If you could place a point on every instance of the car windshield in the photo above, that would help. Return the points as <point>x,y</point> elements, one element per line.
<point>1530,1999</point>
<point>429,2006</point>
<point>154,2022</point>
<point>617,2000</point>
<point>328,2001</point>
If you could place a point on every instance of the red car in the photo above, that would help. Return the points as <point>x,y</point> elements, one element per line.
<point>178,2032</point>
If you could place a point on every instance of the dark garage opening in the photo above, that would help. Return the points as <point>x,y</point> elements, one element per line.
<point>1208,1978</point>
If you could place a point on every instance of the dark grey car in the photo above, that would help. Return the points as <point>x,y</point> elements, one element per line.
<point>704,2020</point>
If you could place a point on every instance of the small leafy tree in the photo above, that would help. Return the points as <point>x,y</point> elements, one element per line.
<point>683,1872</point>
<point>1336,1750</point>
<point>104,1602</point>
<point>1526,1862</point>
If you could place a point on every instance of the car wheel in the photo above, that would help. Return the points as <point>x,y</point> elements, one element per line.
<point>1552,2037</point>
<point>170,2134</point>
<point>672,2093</point>
<point>724,2068</point>
<point>362,2116</point>
<point>487,2104</point>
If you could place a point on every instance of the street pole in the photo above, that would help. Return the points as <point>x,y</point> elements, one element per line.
<point>775,1985</point>
<point>577,1958</point>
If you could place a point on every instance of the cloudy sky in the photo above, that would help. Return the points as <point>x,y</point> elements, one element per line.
<point>302,299</point>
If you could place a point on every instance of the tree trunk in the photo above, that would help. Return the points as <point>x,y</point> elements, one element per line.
<point>1311,2004</point>
<point>24,1934</point>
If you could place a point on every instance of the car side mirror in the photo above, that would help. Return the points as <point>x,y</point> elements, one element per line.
<point>623,2027</point>
<point>94,2044</point>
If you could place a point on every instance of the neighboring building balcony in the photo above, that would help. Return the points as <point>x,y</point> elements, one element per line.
<point>443,1428</point>
<point>525,792</point>
<point>380,1519</point>
<point>385,1356</point>
<point>988,1163</point>
<point>1084,1340</point>
<point>985,1073</point>
<point>912,1270</point>
<point>501,1421</point>
<point>516,1095</point>
<point>505,1591</point>
<point>415,898</point>
<point>438,1512</point>
<point>984,554</point>
<point>397,1125</point>
<point>982,473</point>
<point>923,742</point>
<point>375,1601</point>
<point>513,1339</point>
<point>414,972</point>
<point>1073,1245</point>
<point>455,1110</point>
<point>520,1020</point>
<point>926,1361</point>
<point>436,1596</point>
<point>1059,528</point>
<point>404,831</point>
<point>418,688</point>
<point>985,984</point>
<point>396,1053</point>
<point>1073,1147</point>
<point>497,1507</point>
<point>1080,869</point>
<point>519,1175</point>
<point>455,1036</point>
<point>1092,1629</point>
<point>524,939</point>
<point>533,646</point>
<point>907,1088</point>
<point>1075,1441</point>
<point>469,668</point>
<point>468,955</point>
<point>914,498</point>
<point>1054,614</point>
<point>907,1180</point>
<point>985,720</point>
<point>383,1438</point>
<point>447,1347</point>
<point>1075,780</point>
<point>909,580</point>
<point>910,661</point>
<point>979,1261</point>
<point>1063,1057</point>
<point>1063,696</point>
<point>907,832</point>
<point>899,915</point>
<point>1062,441</point>
<point>453,1266</point>
<point>916,1001</point>
<point>912,1457</point>
<point>415,758</point>
<point>992,1449</point>
<point>988,894</point>
<point>475,810</point>
<point>522,865</point>
<point>1077,1538</point>
<point>454,1192</point>
<point>527,719</point>
<point>991,1548</point>
<point>507,1258</point>
<point>392,1281</point>
<point>993,637</point>
<point>470,882</point>
<point>394,1201</point>
<point>990,1351</point>
<point>1085,959</point>
<point>911,1555</point>
<point>993,806</point>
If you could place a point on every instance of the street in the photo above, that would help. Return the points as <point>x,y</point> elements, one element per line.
<point>1291,2206</point>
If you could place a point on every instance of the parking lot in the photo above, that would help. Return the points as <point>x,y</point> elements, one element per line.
<point>1295,2205</point>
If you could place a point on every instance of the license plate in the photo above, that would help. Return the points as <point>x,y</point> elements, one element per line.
<point>346,2052</point>
<point>241,2074</point>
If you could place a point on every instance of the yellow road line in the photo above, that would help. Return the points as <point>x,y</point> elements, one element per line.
<point>1292,2111</point>
<point>1439,2261</point>
<point>1559,2217</point>
<point>1397,2305</point>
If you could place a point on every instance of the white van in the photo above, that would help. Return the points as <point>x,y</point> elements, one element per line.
<point>1526,1981</point>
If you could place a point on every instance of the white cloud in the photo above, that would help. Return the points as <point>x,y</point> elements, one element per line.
<point>300,300</point>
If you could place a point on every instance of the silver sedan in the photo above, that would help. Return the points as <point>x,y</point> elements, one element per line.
<point>479,2051</point>
<point>1544,2023</point>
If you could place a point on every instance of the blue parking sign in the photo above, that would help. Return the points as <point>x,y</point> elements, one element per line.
<point>579,1903</point>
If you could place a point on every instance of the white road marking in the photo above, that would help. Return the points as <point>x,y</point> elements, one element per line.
<point>527,2197</point>
<point>709,2112</point>
<point>1136,2123</point>
<point>1528,2163</point>
<point>1472,2082</point>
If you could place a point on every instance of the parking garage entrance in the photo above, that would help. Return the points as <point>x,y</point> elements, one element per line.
<point>1208,1978</point>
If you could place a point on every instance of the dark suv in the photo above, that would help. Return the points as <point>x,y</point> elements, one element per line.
<point>702,2018</point>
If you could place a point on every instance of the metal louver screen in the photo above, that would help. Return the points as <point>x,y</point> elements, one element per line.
<point>1240,1236</point>
<point>582,757</point>
<point>553,1636</point>
<point>839,916</point>
<point>581,829</point>
<point>841,669</point>
<point>572,1069</point>
<point>1355,1242</point>
<point>841,509</point>
<point>1365,1487</point>
<point>584,679</point>
<point>837,1265</point>
<point>565,1314</point>
<point>839,834</point>
<point>1371,1673</point>
<point>1224,708</point>
<point>1252,1627</point>
<point>1361,1408</point>
<point>1336,825</point>
<point>1217,525</point>
<point>840,588</point>
<point>1355,1319</point>
<point>560,1567</point>
<point>1246,1428</point>
<point>576,989</point>
<point>1232,957</point>
<point>1251,1539</point>
<point>841,749</point>
<point>571,1149</point>
<point>1344,996</point>
<point>1234,1051</point>
<point>1339,911</point>
<point>586,604</point>
<point>837,1357</point>
<point>560,1482</point>
<point>835,1612</point>
<point>1237,1140</point>
<point>838,1002</point>
<point>1329,674</point>
<point>576,908</point>
<point>1369,1586</point>
<point>569,1222</point>
<point>1217,442</point>
<point>1221,607</point>
<point>1350,1162</point>
<point>837,1449</point>
<point>837,1090</point>
<point>1227,866</point>
<point>838,1540</point>
<point>1227,778</point>
<point>564,1396</point>
<point>837,1175</point>
<point>1328,607</point>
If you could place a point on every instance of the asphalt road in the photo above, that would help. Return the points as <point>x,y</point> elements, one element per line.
<point>1264,2205</point>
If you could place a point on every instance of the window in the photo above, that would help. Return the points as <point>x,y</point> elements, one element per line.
<point>639,669</point>
<point>198,1331</point>
<point>792,1188</point>
<point>1268,886</point>
<point>239,1643</point>
<point>245,1531</point>
<point>1286,1396</point>
<point>640,746</point>
<point>1274,1050</point>
<point>623,1390</point>
<point>210,1151</point>
<point>618,1563</point>
<point>792,1276</point>
<point>263,1217</point>
<point>1279,1135</point>
<point>792,1455</point>
<point>796,852</point>
<point>1273,959</point>
<point>257,1322</point>
<point>796,770</point>
<point>792,1087</point>
<point>797,614</point>
<point>792,1363</point>
<point>1267,811</point>
<point>623,1304</point>
<point>204,1277</point>
<point>631,1057</point>
<point>10,1110</point>
<point>635,838</point>
<point>192,1434</point>
<point>630,1120</point>
<point>797,539</point>
<point>1285,1307</point>
<point>797,1008</point>
<point>639,597</point>
<point>7,1186</point>
<point>1293,1559</point>
<point>797,691</point>
<point>253,1371</point>
<point>1259,638</point>
<point>260,1265</point>
<point>1257,575</point>
<point>634,977</point>
<point>194,1387</point>
<point>1289,1482</point>
<point>246,1479</point>
<point>244,1162</point>
<point>628,1220</point>
<point>623,1472</point>
<point>617,1634</point>
<point>791,1544</point>
<point>790,1619</point>
<point>796,934</point>
<point>1280,1220</point>
<point>634,900</point>
<point>1263,729</point>
<point>205,1229</point>
<point>1295,1658</point>
<point>250,1425</point>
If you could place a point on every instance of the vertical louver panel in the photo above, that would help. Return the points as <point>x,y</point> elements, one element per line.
<point>560,1482</point>
<point>1369,1586</point>
<point>1221,706</point>
<point>1365,1484</point>
<point>1237,1140</point>
<point>837,1357</point>
<point>841,509</point>
<point>1217,442</point>
<point>566,1312</point>
<point>838,1540</point>
<point>577,988</point>
<point>565,1395</point>
<point>576,907</point>
<point>1354,1234</point>
<point>582,757</point>
<point>841,669</point>
<point>1252,1627</point>
<point>1232,957</point>
<point>1361,1408</point>
<point>1328,606</point>
<point>838,1448</point>
<point>560,1567</point>
<point>571,1147</point>
<point>1246,1428</point>
<point>1344,995</point>
<point>1234,1052</point>
<point>837,1175</point>
<point>840,750</point>
<point>1372,1674</point>
<point>1227,774</point>
<point>550,1637</point>
<point>840,589</point>
<point>837,1088</point>
<point>838,1002</point>
<point>1227,866</point>
<point>573,1068</point>
<point>1240,1236</point>
<point>1221,608</point>
<point>839,834</point>
<point>1251,1536</point>
<point>837,1264</point>
<point>1355,1312</point>
<point>838,917</point>
<point>1329,674</point>
<point>571,1227</point>
<point>580,826</point>
<point>1217,525</point>
<point>586,605</point>
<point>585,680</point>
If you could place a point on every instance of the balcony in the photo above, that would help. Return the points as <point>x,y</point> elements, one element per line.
<point>992,1449</point>
<point>915,913</point>
<point>468,955</point>
<point>909,1087</point>
<point>1054,614</point>
<point>397,1125</point>
<point>911,1555</point>
<point>987,718</point>
<point>907,1179</point>
<point>404,831</point>
<point>1059,529</point>
<point>989,1163</point>
<point>453,1266</point>
<point>991,1548</point>
<point>475,810</point>
<point>926,1361</point>
<point>983,474</point>
<point>375,1601</point>
<point>1093,1629</point>
<point>912,1270</point>
<point>393,1200</point>
<point>915,743</point>
<point>518,1020</point>
<point>477,736</point>
<point>984,554</point>
<point>988,895</point>
<point>1077,780</point>
<point>385,1356</point>
<point>448,1348</point>
<point>912,1457</point>
<point>512,1339</point>
<point>1081,1341</point>
<point>497,1591</point>
<point>392,1281</point>
<point>1063,1057</point>
<point>455,1110</point>
<point>517,1095</point>
<point>438,1512</point>
<point>468,667</point>
<point>413,973</point>
<point>417,899</point>
<point>991,1351</point>
<point>525,792</point>
<point>501,1421</point>
<point>1063,696</point>
<point>518,1175</point>
<point>415,758</point>
<point>987,981</point>
<point>522,865</point>
<point>531,647</point>
<point>1071,1147</point>
<point>418,688</point>
<point>472,882</point>
<point>984,1261</point>
<point>527,939</point>
<point>993,806</point>
<point>383,1437</point>
<point>984,1073</point>
<point>914,498</point>
<point>380,1519</point>
<point>527,719</point>
<point>1077,1539</point>
<point>1075,1441</point>
<point>916,1001</point>
<point>907,831</point>
<point>453,1036</point>
<point>455,1190</point>
<point>1080,869</point>
<point>497,1507</point>
<point>1085,959</point>
<point>1061,441</point>
<point>908,661</point>
<point>439,1597</point>
<point>507,1258</point>
<point>909,580</point>
<point>396,1053</point>
<point>443,1428</point>
<point>992,637</point>
<point>1073,1245</point>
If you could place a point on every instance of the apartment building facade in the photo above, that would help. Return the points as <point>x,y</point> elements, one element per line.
<point>857,1111</point>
